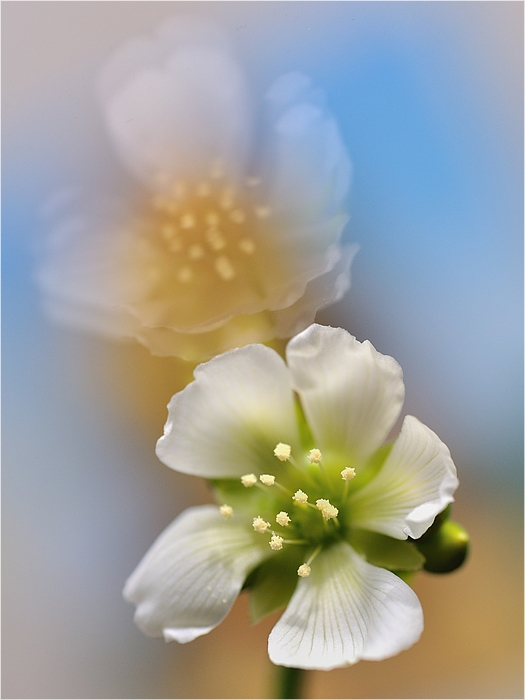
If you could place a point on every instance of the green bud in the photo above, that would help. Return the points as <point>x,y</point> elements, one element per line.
<point>444,548</point>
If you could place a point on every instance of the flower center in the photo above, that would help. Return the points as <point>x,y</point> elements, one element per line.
<point>207,227</point>
<point>304,505</point>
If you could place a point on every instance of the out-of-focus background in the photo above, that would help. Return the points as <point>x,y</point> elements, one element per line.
<point>429,98</point>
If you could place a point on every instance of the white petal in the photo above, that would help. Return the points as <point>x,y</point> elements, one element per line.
<point>228,421</point>
<point>351,394</point>
<point>320,291</point>
<point>189,579</point>
<point>346,610</point>
<point>311,168</point>
<point>416,483</point>
<point>177,119</point>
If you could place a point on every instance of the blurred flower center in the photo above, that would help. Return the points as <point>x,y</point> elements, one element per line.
<point>206,228</point>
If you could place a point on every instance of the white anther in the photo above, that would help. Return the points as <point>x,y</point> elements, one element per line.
<point>315,456</point>
<point>238,216</point>
<point>328,511</point>
<point>262,212</point>
<point>246,245</point>
<point>215,239</point>
<point>226,511</point>
<point>224,268</point>
<point>212,218</point>
<point>282,451</point>
<point>267,479</point>
<point>276,543</point>
<point>304,570</point>
<point>185,274</point>
<point>249,480</point>
<point>282,519</point>
<point>196,252</point>
<point>187,221</point>
<point>348,473</point>
<point>300,497</point>
<point>203,189</point>
<point>260,525</point>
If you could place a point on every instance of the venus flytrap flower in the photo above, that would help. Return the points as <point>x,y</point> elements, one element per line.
<point>340,532</point>
<point>232,235</point>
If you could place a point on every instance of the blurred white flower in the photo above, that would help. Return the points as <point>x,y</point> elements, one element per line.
<point>233,233</point>
<point>322,536</point>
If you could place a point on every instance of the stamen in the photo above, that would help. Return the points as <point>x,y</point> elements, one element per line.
<point>248,480</point>
<point>185,274</point>
<point>187,220</point>
<point>283,519</point>
<point>224,268</point>
<point>315,456</point>
<point>328,511</point>
<point>267,479</point>
<point>348,473</point>
<point>260,525</point>
<point>246,245</point>
<point>282,451</point>
<point>304,570</point>
<point>300,497</point>
<point>276,542</point>
<point>226,511</point>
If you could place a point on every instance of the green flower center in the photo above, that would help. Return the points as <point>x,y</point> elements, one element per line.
<point>303,503</point>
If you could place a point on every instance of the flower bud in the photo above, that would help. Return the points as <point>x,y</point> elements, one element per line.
<point>445,549</point>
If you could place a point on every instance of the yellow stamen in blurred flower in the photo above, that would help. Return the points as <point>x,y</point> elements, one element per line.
<point>224,268</point>
<point>187,220</point>
<point>185,274</point>
<point>246,245</point>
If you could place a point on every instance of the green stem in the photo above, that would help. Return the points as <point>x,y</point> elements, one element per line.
<point>290,683</point>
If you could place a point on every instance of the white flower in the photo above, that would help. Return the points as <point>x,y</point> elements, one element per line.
<point>342,604</point>
<point>233,234</point>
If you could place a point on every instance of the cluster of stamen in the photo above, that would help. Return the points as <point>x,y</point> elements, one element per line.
<point>326,509</point>
<point>204,226</point>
